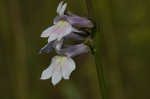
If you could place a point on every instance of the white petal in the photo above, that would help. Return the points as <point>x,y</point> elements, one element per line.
<point>61,66</point>
<point>61,29</point>
<point>67,68</point>
<point>59,7</point>
<point>46,32</point>
<point>56,76</point>
<point>52,37</point>
<point>47,73</point>
<point>56,79</point>
<point>63,9</point>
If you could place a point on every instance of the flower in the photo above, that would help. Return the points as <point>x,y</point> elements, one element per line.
<point>63,24</point>
<point>57,31</point>
<point>63,29</point>
<point>60,67</point>
<point>60,29</point>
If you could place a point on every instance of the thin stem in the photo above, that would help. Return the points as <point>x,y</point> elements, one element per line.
<point>100,75</point>
<point>96,53</point>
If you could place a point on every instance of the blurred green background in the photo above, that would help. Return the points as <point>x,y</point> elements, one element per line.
<point>125,45</point>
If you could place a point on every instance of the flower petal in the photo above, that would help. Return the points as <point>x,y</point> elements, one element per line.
<point>46,32</point>
<point>58,62</point>
<point>56,76</point>
<point>61,29</point>
<point>74,50</point>
<point>61,12</point>
<point>48,47</point>
<point>68,67</point>
<point>60,67</point>
<point>59,7</point>
<point>47,73</point>
<point>56,44</point>
<point>74,36</point>
<point>79,21</point>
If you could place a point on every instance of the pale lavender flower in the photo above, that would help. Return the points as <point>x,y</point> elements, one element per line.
<point>57,31</point>
<point>63,29</point>
<point>60,67</point>
<point>63,24</point>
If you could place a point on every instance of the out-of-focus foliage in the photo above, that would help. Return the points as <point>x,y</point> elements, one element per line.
<point>125,37</point>
<point>125,44</point>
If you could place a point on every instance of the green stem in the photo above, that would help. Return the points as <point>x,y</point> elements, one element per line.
<point>100,75</point>
<point>96,53</point>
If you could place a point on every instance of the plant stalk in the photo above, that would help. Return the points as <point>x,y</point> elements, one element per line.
<point>97,53</point>
<point>100,75</point>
